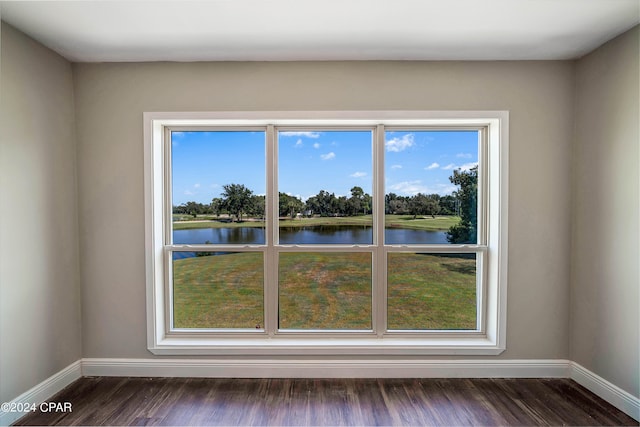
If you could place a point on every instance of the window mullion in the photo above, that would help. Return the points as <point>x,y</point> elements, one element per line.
<point>168,289</point>
<point>379,265</point>
<point>481,289</point>
<point>167,194</point>
<point>271,255</point>
<point>167,229</point>
<point>483,187</point>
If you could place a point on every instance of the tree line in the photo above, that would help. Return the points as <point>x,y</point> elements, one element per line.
<point>238,201</point>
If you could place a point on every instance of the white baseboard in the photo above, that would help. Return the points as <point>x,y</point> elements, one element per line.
<point>388,368</point>
<point>43,391</point>
<point>613,394</point>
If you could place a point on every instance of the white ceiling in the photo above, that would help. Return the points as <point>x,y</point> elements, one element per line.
<point>186,30</point>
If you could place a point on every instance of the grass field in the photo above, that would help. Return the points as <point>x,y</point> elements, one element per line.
<point>325,291</point>
<point>439,223</point>
<point>223,291</point>
<point>431,291</point>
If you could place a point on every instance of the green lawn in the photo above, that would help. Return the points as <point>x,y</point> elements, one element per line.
<point>428,223</point>
<point>439,223</point>
<point>213,223</point>
<point>431,291</point>
<point>325,291</point>
<point>223,291</point>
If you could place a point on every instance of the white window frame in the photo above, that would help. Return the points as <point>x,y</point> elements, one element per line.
<point>489,339</point>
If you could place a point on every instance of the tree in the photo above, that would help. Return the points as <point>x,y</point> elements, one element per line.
<point>357,192</point>
<point>367,203</point>
<point>192,208</point>
<point>257,206</point>
<point>467,197</point>
<point>422,204</point>
<point>237,199</point>
<point>354,204</point>
<point>359,202</point>
<point>216,206</point>
<point>395,204</point>
<point>341,206</point>
<point>448,205</point>
<point>323,203</point>
<point>289,205</point>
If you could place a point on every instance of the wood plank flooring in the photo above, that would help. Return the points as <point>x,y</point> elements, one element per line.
<point>357,402</point>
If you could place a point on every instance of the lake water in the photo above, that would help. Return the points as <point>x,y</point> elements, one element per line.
<point>304,236</point>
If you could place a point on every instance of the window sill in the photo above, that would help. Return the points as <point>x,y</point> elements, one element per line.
<point>337,347</point>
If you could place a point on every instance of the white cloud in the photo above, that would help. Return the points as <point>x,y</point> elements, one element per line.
<point>468,166</point>
<point>196,185</point>
<point>302,134</point>
<point>433,166</point>
<point>411,188</point>
<point>408,187</point>
<point>298,143</point>
<point>316,145</point>
<point>464,167</point>
<point>399,144</point>
<point>396,166</point>
<point>188,193</point>
<point>464,155</point>
<point>328,156</point>
<point>358,175</point>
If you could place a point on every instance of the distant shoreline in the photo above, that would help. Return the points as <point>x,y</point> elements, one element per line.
<point>427,223</point>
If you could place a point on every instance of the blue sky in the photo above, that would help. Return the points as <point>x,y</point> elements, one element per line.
<point>333,161</point>
<point>423,161</point>
<point>310,161</point>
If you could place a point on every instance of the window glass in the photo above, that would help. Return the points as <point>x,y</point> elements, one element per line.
<point>431,291</point>
<point>325,187</point>
<point>324,290</point>
<point>218,290</point>
<point>218,187</point>
<point>431,187</point>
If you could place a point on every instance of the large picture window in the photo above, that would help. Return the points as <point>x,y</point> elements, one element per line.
<point>326,233</point>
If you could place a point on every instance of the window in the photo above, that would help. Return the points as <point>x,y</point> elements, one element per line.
<point>326,232</point>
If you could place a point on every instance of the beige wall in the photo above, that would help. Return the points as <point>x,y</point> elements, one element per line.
<point>605,298</point>
<point>110,100</point>
<point>39,279</point>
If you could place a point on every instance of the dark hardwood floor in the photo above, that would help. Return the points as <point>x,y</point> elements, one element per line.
<point>360,402</point>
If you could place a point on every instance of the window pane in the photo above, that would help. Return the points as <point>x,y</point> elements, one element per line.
<point>218,290</point>
<point>218,187</point>
<point>431,187</point>
<point>325,184</point>
<point>431,291</point>
<point>324,290</point>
